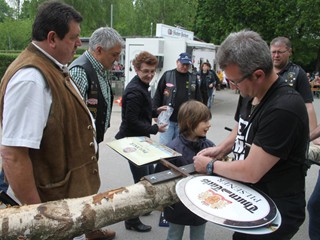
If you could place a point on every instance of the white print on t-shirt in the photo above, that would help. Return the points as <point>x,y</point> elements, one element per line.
<point>242,137</point>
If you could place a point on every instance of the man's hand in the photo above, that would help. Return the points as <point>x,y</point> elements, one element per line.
<point>212,152</point>
<point>200,163</point>
<point>316,141</point>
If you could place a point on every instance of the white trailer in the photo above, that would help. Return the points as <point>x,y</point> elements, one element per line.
<point>167,49</point>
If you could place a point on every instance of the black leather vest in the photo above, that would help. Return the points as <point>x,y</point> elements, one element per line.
<point>171,87</point>
<point>95,100</point>
<point>290,74</point>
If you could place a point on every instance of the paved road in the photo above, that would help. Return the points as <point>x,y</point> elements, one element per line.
<point>115,172</point>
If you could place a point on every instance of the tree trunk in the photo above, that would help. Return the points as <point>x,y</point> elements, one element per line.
<point>318,61</point>
<point>65,219</point>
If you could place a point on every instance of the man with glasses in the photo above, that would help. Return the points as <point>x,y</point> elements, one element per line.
<point>294,75</point>
<point>90,72</point>
<point>271,138</point>
<point>175,87</point>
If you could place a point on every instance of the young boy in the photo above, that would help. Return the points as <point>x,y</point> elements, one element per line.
<point>194,122</point>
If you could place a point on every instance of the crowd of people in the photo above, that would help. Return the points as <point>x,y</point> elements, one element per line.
<point>55,113</point>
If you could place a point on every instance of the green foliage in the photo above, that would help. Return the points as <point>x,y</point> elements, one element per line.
<point>29,9</point>
<point>15,34</point>
<point>298,20</point>
<point>5,11</point>
<point>5,60</point>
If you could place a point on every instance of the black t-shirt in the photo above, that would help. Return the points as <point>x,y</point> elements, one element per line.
<point>276,124</point>
<point>279,125</point>
<point>182,81</point>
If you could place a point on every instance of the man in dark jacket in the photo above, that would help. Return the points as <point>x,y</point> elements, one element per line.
<point>293,74</point>
<point>174,88</point>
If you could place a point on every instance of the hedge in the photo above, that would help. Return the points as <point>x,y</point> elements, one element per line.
<point>5,60</point>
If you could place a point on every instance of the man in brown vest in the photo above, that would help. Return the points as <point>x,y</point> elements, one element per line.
<point>48,145</point>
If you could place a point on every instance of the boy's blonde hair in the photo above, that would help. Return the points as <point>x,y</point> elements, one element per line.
<point>190,114</point>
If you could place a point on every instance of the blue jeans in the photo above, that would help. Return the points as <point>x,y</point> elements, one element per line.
<point>3,186</point>
<point>314,212</point>
<point>210,101</point>
<point>171,133</point>
<point>176,232</point>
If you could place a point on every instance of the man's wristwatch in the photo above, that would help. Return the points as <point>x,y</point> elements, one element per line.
<point>210,167</point>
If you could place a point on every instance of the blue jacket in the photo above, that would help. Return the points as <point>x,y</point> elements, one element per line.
<point>178,213</point>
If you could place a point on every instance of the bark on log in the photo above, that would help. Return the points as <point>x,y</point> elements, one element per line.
<point>68,218</point>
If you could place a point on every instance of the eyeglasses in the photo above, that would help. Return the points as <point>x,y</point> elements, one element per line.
<point>278,52</point>
<point>147,72</point>
<point>236,83</point>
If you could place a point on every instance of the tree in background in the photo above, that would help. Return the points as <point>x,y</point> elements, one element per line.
<point>5,11</point>
<point>170,12</point>
<point>307,38</point>
<point>298,20</point>
<point>129,17</point>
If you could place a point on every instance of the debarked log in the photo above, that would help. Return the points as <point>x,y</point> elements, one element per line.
<point>65,219</point>
<point>314,153</point>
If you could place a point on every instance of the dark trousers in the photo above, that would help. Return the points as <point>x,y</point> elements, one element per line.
<point>138,172</point>
<point>292,211</point>
<point>204,96</point>
<point>3,185</point>
<point>314,212</point>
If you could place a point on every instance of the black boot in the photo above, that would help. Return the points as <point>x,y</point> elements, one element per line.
<point>136,225</point>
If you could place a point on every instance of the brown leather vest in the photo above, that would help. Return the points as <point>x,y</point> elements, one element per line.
<point>65,166</point>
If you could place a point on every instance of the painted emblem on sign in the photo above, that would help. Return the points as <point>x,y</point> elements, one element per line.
<point>213,200</point>
<point>129,149</point>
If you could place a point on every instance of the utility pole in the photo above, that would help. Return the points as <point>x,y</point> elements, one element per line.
<point>18,9</point>
<point>111,16</point>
